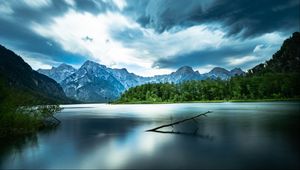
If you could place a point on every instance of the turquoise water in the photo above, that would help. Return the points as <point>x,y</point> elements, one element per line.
<point>103,136</point>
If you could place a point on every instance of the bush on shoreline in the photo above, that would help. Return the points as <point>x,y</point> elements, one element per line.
<point>22,113</point>
<point>26,120</point>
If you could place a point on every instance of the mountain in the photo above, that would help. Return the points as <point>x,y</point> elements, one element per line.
<point>184,73</point>
<point>219,72</point>
<point>125,78</point>
<point>18,75</point>
<point>92,83</point>
<point>58,73</point>
<point>237,71</point>
<point>285,60</point>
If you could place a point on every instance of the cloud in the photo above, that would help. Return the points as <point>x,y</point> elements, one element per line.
<point>147,37</point>
<point>229,53</point>
<point>87,38</point>
<point>202,57</point>
<point>239,18</point>
<point>121,4</point>
<point>153,45</point>
<point>117,41</point>
<point>34,63</point>
<point>22,38</point>
<point>258,48</point>
<point>241,60</point>
<point>91,6</point>
<point>5,9</point>
<point>38,3</point>
<point>68,33</point>
<point>16,18</point>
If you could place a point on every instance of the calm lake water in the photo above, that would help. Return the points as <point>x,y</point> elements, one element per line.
<point>235,135</point>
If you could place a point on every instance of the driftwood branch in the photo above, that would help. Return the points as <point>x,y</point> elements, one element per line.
<point>51,119</point>
<point>193,134</point>
<point>57,120</point>
<point>178,122</point>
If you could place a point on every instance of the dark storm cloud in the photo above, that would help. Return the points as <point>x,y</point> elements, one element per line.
<point>249,18</point>
<point>56,8</point>
<point>16,31</point>
<point>23,39</point>
<point>243,54</point>
<point>203,57</point>
<point>238,19</point>
<point>94,6</point>
<point>22,13</point>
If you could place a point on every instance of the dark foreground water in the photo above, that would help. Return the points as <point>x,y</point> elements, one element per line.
<point>235,135</point>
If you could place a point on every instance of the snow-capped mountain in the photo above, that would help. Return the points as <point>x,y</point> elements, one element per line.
<point>184,73</point>
<point>94,82</point>
<point>58,73</point>
<point>125,78</point>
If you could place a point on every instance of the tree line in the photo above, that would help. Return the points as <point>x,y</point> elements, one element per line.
<point>267,86</point>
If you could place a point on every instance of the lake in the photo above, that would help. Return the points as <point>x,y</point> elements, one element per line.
<point>103,136</point>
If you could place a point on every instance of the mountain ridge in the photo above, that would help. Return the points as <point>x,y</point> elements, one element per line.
<point>94,82</point>
<point>58,73</point>
<point>183,69</point>
<point>91,82</point>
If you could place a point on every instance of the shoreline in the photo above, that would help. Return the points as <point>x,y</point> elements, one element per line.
<point>210,101</point>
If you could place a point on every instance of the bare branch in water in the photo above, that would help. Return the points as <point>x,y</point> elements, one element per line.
<point>178,122</point>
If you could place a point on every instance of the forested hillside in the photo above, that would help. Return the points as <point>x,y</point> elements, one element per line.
<point>25,96</point>
<point>17,75</point>
<point>285,60</point>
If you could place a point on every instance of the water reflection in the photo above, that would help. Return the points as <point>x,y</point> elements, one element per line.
<point>235,135</point>
<point>14,146</point>
<point>193,134</point>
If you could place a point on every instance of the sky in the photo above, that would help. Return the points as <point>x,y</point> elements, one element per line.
<point>147,37</point>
